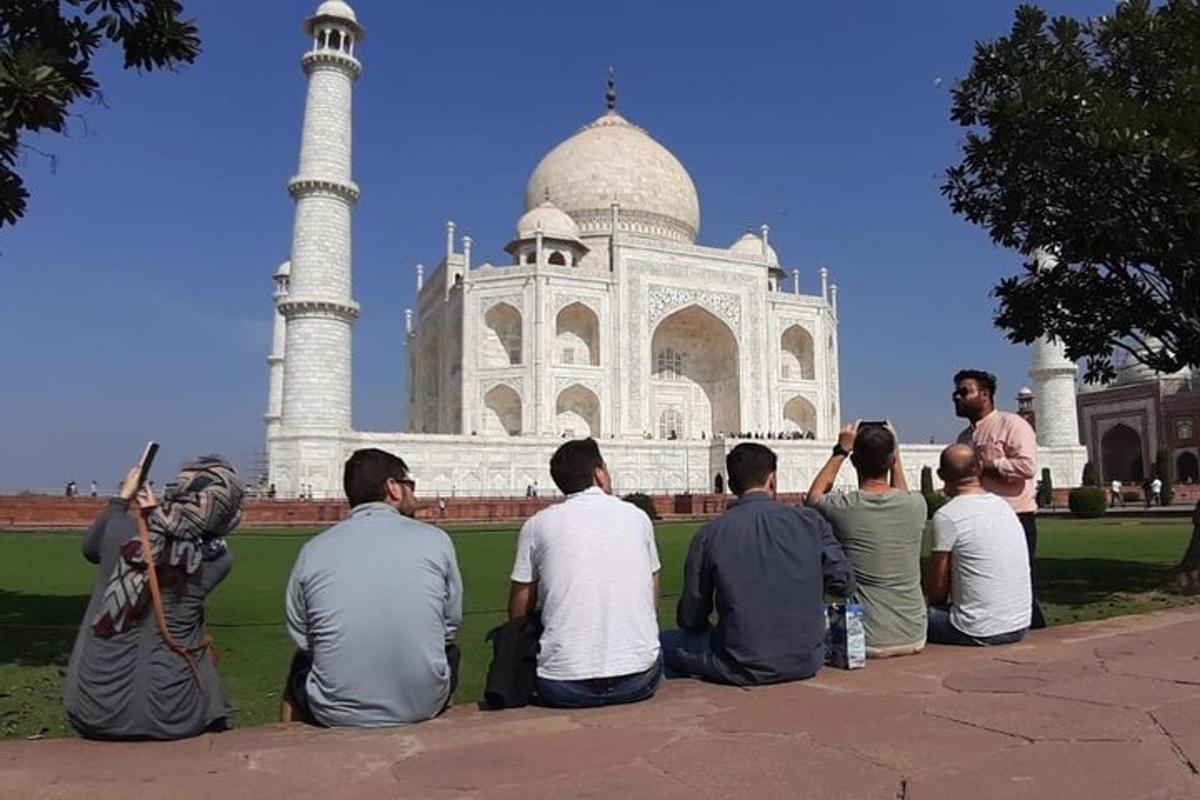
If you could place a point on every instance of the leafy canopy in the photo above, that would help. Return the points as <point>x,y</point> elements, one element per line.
<point>46,51</point>
<point>1082,140</point>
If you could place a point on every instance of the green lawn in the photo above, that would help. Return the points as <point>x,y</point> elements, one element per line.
<point>1088,570</point>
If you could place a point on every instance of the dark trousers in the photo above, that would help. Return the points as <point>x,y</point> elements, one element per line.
<point>296,688</point>
<point>1029,523</point>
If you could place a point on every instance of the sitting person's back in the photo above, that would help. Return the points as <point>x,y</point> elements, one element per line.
<point>879,527</point>
<point>373,605</point>
<point>979,563</point>
<point>765,567</point>
<point>590,563</point>
<point>124,680</point>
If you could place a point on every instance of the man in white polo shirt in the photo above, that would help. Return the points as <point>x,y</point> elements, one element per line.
<point>979,564</point>
<point>591,565</point>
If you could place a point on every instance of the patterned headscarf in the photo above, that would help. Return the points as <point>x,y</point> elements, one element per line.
<point>186,528</point>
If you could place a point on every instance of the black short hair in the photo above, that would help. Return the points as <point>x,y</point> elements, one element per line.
<point>573,465</point>
<point>749,464</point>
<point>874,451</point>
<point>986,380</point>
<point>366,475</point>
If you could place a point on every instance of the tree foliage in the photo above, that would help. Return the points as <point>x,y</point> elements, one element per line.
<point>46,52</point>
<point>1081,139</point>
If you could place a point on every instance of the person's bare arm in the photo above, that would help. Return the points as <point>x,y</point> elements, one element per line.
<point>937,578</point>
<point>825,478</point>
<point>522,599</point>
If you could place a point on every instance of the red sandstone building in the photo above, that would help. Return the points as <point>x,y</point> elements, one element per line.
<point>1124,423</point>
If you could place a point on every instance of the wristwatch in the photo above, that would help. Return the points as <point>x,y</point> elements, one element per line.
<point>838,450</point>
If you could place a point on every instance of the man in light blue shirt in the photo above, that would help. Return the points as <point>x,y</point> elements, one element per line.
<point>373,605</point>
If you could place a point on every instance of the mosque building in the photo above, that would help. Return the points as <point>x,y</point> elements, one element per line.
<point>608,320</point>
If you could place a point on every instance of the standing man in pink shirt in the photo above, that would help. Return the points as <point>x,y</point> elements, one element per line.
<point>1007,448</point>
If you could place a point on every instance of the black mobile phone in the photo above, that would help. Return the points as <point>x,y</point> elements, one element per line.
<point>873,423</point>
<point>147,461</point>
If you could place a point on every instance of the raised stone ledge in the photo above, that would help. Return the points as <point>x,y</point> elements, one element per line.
<point>1097,710</point>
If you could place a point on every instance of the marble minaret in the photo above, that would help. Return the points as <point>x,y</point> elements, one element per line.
<point>319,309</point>
<point>1053,376</point>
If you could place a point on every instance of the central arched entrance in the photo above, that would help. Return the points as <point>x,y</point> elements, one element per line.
<point>694,374</point>
<point>1121,454</point>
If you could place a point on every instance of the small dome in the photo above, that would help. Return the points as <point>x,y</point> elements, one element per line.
<point>284,270</point>
<point>612,161</point>
<point>1025,391</point>
<point>552,221</point>
<point>1131,370</point>
<point>751,244</point>
<point>338,9</point>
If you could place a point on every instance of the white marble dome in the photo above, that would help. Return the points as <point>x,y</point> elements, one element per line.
<point>612,160</point>
<point>751,245</point>
<point>550,220</point>
<point>337,9</point>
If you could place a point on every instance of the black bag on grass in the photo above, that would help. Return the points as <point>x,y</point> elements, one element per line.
<point>513,672</point>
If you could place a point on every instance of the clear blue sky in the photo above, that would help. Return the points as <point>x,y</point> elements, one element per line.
<point>134,297</point>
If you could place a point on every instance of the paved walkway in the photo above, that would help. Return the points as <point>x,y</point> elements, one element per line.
<point>1099,710</point>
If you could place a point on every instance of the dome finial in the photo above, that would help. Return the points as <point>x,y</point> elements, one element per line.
<point>610,95</point>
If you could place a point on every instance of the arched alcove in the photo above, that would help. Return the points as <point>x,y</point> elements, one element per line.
<point>695,348</point>
<point>796,355</point>
<point>501,412</point>
<point>501,346</point>
<point>1121,454</point>
<point>799,414</point>
<point>577,336</point>
<point>578,412</point>
<point>1187,468</point>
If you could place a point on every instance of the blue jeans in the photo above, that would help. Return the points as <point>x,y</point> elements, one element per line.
<point>593,692</point>
<point>688,653</point>
<point>942,631</point>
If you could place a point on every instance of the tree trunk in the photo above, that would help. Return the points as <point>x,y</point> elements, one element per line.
<point>1189,566</point>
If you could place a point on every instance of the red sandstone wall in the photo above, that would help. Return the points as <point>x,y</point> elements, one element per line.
<point>41,511</point>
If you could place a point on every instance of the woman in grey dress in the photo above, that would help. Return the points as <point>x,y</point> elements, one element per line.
<point>127,678</point>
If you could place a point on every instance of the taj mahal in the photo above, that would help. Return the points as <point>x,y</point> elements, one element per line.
<point>610,319</point>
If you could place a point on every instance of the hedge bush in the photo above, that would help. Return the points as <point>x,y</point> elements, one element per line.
<point>1045,490</point>
<point>927,481</point>
<point>643,502</point>
<point>1087,501</point>
<point>934,501</point>
<point>1090,476</point>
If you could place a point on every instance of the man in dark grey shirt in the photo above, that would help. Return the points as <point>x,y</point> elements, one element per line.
<point>765,567</point>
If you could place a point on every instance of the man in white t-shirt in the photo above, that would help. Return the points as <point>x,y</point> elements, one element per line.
<point>1156,491</point>
<point>1115,498</point>
<point>979,564</point>
<point>591,565</point>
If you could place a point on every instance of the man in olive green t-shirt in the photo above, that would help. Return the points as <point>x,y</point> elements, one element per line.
<point>879,527</point>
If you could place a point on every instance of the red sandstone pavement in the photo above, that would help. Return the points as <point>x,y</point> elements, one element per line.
<point>1099,710</point>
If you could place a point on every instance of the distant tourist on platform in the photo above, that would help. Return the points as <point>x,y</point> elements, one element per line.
<point>141,667</point>
<point>373,605</point>
<point>591,566</point>
<point>978,577</point>
<point>1156,491</point>
<point>94,490</point>
<point>879,527</point>
<point>271,491</point>
<point>1008,454</point>
<point>1115,498</point>
<point>765,568</point>
<point>441,506</point>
